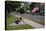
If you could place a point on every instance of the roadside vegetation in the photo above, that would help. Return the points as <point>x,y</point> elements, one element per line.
<point>12,19</point>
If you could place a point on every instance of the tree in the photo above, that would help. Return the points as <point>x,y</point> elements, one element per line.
<point>11,5</point>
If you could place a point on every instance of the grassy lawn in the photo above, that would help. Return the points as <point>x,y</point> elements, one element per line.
<point>19,27</point>
<point>11,19</point>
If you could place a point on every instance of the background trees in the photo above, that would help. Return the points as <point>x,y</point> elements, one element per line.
<point>11,5</point>
<point>23,7</point>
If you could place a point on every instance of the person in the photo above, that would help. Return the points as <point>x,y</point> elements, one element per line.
<point>21,20</point>
<point>18,20</point>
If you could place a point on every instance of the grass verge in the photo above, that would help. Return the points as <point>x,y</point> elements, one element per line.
<point>12,19</point>
<point>20,27</point>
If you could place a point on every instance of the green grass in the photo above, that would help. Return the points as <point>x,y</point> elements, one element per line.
<point>19,27</point>
<point>12,19</point>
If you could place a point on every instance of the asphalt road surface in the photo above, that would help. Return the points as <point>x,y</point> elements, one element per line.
<point>32,23</point>
<point>39,19</point>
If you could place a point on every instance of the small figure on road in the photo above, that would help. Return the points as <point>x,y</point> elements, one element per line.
<point>18,20</point>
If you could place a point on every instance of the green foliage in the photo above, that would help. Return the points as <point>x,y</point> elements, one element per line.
<point>22,11</point>
<point>10,5</point>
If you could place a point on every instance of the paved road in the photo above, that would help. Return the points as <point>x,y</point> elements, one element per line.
<point>39,19</point>
<point>32,23</point>
<point>32,16</point>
